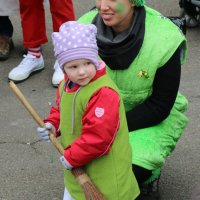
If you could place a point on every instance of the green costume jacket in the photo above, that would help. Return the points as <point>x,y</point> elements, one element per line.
<point>151,145</point>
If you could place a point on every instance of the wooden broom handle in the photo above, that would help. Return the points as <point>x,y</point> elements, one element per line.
<point>35,116</point>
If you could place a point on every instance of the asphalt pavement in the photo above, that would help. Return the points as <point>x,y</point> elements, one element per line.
<point>29,168</point>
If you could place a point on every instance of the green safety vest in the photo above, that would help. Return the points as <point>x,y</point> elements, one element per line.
<point>111,173</point>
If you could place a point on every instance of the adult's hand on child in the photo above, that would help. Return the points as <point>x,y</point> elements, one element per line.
<point>44,132</point>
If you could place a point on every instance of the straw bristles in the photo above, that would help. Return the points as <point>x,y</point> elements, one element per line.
<point>90,190</point>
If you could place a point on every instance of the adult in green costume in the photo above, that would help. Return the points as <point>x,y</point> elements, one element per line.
<point>144,52</point>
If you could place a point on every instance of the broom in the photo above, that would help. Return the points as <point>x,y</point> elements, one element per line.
<point>90,190</point>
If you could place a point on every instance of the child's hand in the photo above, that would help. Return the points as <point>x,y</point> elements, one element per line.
<point>44,132</point>
<point>65,163</point>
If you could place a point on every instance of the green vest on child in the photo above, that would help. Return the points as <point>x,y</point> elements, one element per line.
<point>111,173</point>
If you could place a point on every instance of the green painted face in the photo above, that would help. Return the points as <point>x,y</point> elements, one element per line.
<point>120,7</point>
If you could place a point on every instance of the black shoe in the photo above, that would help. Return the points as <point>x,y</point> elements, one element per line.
<point>6,45</point>
<point>150,191</point>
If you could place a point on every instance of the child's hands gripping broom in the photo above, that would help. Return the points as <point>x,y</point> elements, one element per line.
<point>90,190</point>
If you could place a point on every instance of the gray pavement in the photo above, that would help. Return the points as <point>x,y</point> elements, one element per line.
<point>29,169</point>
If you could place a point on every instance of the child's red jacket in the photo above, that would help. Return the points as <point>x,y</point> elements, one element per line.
<point>99,138</point>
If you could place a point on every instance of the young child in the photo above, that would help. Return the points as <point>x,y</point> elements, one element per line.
<point>90,118</point>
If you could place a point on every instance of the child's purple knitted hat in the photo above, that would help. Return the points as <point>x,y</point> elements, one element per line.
<point>75,41</point>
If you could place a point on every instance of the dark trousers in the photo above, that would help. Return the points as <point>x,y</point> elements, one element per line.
<point>6,27</point>
<point>141,174</point>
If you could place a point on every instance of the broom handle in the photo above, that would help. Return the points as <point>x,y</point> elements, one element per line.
<point>78,172</point>
<point>35,116</point>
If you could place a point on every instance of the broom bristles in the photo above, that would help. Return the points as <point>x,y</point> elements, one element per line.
<point>90,190</point>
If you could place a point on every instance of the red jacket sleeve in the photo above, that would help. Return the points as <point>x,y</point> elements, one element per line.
<point>100,125</point>
<point>54,116</point>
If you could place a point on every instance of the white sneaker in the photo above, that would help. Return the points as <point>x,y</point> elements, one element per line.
<point>28,65</point>
<point>58,75</point>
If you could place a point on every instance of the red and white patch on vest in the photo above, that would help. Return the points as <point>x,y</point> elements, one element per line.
<point>99,112</point>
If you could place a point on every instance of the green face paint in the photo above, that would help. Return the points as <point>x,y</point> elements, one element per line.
<point>120,8</point>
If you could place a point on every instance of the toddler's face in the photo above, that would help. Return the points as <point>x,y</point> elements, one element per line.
<point>80,71</point>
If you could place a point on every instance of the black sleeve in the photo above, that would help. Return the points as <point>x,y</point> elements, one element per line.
<point>157,107</point>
